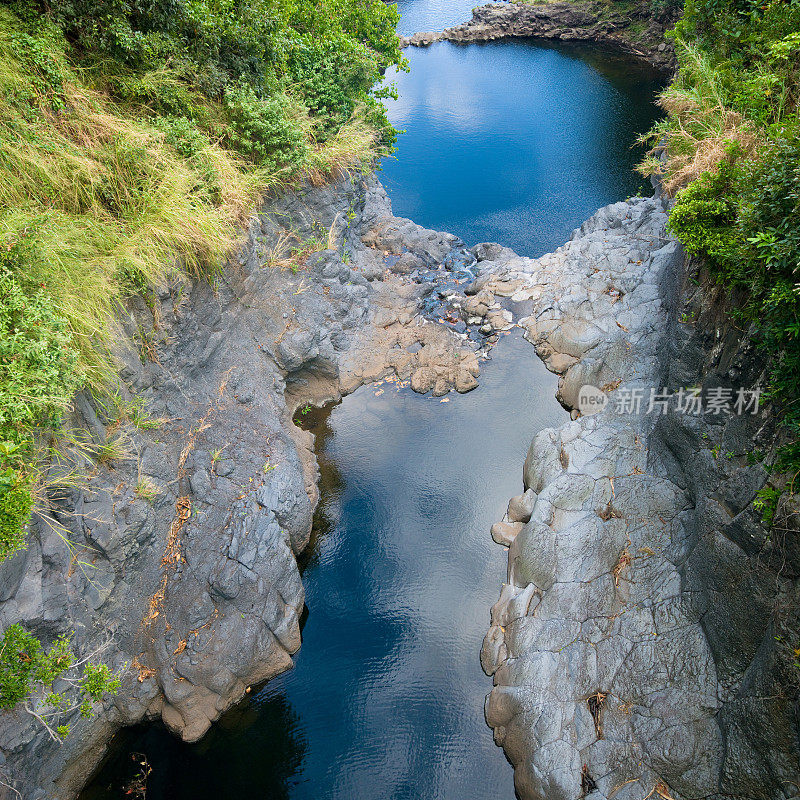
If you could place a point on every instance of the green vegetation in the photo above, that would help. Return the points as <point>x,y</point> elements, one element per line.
<point>733,160</point>
<point>135,136</point>
<point>766,503</point>
<point>28,673</point>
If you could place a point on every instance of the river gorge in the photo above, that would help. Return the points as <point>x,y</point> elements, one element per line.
<point>513,142</point>
<point>617,656</point>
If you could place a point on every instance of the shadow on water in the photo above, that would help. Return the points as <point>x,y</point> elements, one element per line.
<point>227,763</point>
<point>386,698</point>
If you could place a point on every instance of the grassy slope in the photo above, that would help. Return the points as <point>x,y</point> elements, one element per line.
<point>733,161</point>
<point>110,179</point>
<point>732,138</point>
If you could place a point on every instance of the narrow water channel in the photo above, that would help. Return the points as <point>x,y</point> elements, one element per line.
<point>512,142</point>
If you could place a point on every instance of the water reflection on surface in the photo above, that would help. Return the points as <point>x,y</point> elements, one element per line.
<point>424,15</point>
<point>509,142</point>
<point>386,697</point>
<point>515,142</point>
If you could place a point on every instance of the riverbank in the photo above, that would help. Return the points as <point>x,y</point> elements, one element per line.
<point>185,540</point>
<point>645,599</point>
<point>634,31</point>
<point>634,645</point>
<point>637,646</point>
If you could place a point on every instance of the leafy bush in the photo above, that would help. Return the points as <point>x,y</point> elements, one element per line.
<point>16,503</point>
<point>182,135</point>
<point>333,77</point>
<point>38,364</point>
<point>262,130</point>
<point>704,218</point>
<point>28,672</point>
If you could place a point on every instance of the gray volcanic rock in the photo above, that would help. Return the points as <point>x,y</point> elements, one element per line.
<point>629,641</point>
<point>641,646</point>
<point>558,21</point>
<point>179,557</point>
<point>610,622</point>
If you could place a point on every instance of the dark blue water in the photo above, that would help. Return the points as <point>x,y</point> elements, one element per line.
<point>386,698</point>
<point>515,142</point>
<point>505,142</point>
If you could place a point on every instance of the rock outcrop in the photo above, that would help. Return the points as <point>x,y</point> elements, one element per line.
<point>638,32</point>
<point>177,555</point>
<point>639,647</point>
<point>633,648</point>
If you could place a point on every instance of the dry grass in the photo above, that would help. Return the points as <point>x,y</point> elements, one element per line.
<point>99,195</point>
<point>147,489</point>
<point>699,128</point>
<point>353,146</point>
<point>280,254</point>
<point>117,447</point>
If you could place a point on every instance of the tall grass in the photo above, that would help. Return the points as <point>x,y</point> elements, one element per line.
<point>103,201</point>
<point>699,127</point>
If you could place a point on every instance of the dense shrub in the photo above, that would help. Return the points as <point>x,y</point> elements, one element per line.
<point>333,77</point>
<point>16,503</point>
<point>183,135</point>
<point>38,365</point>
<point>704,219</point>
<point>264,130</point>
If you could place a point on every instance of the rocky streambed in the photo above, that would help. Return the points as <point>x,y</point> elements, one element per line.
<point>185,542</point>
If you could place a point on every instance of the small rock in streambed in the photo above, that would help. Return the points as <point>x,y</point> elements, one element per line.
<point>423,380</point>
<point>520,507</point>
<point>465,382</point>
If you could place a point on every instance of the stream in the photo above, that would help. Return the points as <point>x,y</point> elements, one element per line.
<point>513,142</point>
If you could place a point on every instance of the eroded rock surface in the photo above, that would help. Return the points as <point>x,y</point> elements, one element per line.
<point>637,648</point>
<point>620,667</point>
<point>180,552</point>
